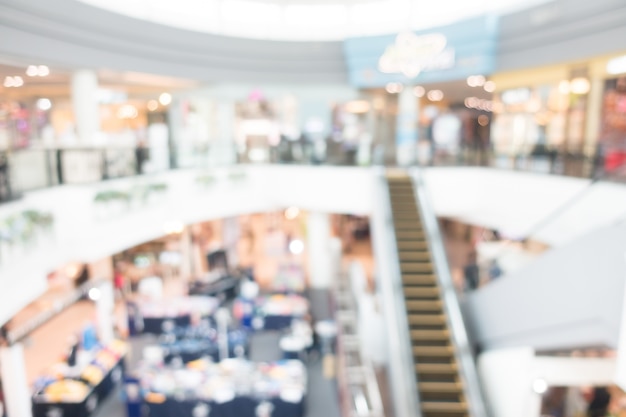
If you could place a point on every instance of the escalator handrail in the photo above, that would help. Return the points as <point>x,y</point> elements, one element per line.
<point>403,381</point>
<point>467,368</point>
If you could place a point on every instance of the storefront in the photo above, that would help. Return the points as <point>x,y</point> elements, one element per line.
<point>425,73</point>
<point>569,115</point>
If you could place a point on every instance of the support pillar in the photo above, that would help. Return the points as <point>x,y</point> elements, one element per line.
<point>319,250</point>
<point>17,393</point>
<point>105,313</point>
<point>223,151</point>
<point>186,270</point>
<point>406,127</point>
<point>85,105</point>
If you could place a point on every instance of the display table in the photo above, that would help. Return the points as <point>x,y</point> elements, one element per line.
<point>157,317</point>
<point>224,288</point>
<point>274,312</point>
<point>238,407</point>
<point>193,343</point>
<point>80,395</point>
<point>233,387</point>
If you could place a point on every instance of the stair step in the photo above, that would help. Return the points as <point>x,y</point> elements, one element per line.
<point>408,267</point>
<point>440,387</point>
<point>409,256</point>
<point>435,305</point>
<point>419,279</point>
<point>436,368</point>
<point>411,224</point>
<point>443,407</point>
<point>421,292</point>
<point>430,335</point>
<point>441,351</point>
<point>412,245</point>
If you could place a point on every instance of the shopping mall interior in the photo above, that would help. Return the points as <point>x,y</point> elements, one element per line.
<point>305,208</point>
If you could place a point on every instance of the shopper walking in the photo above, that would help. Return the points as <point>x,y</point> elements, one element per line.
<point>599,405</point>
<point>471,273</point>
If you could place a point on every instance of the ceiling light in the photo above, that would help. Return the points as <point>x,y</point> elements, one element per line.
<point>540,386</point>
<point>476,80</point>
<point>31,71</point>
<point>127,111</point>
<point>490,86</point>
<point>15,81</point>
<point>165,99</point>
<point>43,71</point>
<point>435,95</point>
<point>616,65</point>
<point>172,228</point>
<point>580,86</point>
<point>419,91</point>
<point>296,246</point>
<point>291,213</point>
<point>357,106</point>
<point>44,104</point>
<point>394,88</point>
<point>94,294</point>
<point>153,105</point>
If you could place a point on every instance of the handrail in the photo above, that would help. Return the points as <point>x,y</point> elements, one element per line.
<point>358,378</point>
<point>404,390</point>
<point>463,351</point>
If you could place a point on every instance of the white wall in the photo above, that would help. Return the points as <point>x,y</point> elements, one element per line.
<point>510,201</point>
<point>515,202</point>
<point>571,297</point>
<point>508,376</point>
<point>84,233</point>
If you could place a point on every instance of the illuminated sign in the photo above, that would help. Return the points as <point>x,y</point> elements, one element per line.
<point>411,54</point>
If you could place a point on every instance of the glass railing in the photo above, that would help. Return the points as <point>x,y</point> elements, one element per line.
<point>29,169</point>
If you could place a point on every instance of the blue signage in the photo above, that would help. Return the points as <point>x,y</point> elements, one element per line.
<point>446,53</point>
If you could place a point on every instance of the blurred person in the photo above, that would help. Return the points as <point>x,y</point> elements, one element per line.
<point>141,155</point>
<point>599,405</point>
<point>471,273</point>
<point>494,270</point>
<point>119,283</point>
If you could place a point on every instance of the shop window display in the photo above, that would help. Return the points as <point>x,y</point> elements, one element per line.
<point>612,140</point>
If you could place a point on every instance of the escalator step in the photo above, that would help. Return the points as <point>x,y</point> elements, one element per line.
<point>430,335</point>
<point>410,234</point>
<point>440,387</point>
<point>423,267</point>
<point>421,292</point>
<point>434,305</point>
<point>413,256</point>
<point>443,407</point>
<point>436,368</point>
<point>419,279</point>
<point>443,351</point>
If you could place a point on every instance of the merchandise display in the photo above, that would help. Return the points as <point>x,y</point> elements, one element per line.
<point>289,279</point>
<point>196,342</point>
<point>233,387</point>
<point>76,391</point>
<point>273,312</point>
<point>156,317</point>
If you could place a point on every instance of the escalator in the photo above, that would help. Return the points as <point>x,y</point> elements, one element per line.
<point>441,390</point>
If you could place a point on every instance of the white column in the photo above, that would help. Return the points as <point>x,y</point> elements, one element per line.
<point>319,250</point>
<point>223,147</point>
<point>507,379</point>
<point>15,384</point>
<point>105,312</point>
<point>85,104</point>
<point>406,127</point>
<point>186,269</point>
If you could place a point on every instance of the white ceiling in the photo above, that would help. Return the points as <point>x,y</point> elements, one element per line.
<point>298,20</point>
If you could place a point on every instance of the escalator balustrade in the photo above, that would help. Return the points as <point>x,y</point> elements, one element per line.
<point>441,392</point>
